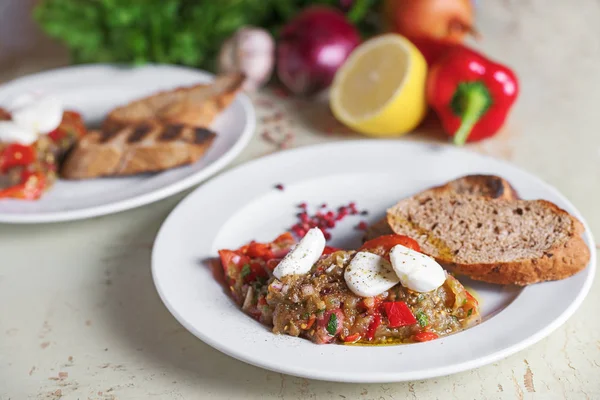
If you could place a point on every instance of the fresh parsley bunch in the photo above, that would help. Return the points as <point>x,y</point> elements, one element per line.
<point>188,32</point>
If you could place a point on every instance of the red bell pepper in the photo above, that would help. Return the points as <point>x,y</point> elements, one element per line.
<point>398,314</point>
<point>431,49</point>
<point>471,94</point>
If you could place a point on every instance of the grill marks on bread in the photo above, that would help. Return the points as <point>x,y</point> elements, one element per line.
<point>147,146</point>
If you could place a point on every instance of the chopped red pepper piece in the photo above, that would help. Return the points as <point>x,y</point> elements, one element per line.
<point>352,338</point>
<point>425,336</point>
<point>260,250</point>
<point>16,155</point>
<point>373,326</point>
<point>398,314</point>
<point>31,187</point>
<point>232,263</point>
<point>329,250</point>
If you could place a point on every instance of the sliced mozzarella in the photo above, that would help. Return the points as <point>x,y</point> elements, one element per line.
<point>42,114</point>
<point>302,257</point>
<point>416,271</point>
<point>13,133</point>
<point>369,275</point>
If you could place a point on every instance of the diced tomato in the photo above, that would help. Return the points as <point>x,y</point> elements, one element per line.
<point>261,301</point>
<point>31,187</point>
<point>425,336</point>
<point>352,338</point>
<point>256,271</point>
<point>387,242</point>
<point>71,124</point>
<point>329,250</point>
<point>57,134</point>
<point>232,263</point>
<point>398,314</point>
<point>272,263</point>
<point>16,155</point>
<point>373,326</point>
<point>260,250</point>
<point>285,239</point>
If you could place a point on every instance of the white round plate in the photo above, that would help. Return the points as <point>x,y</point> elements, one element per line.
<point>243,204</point>
<point>94,90</point>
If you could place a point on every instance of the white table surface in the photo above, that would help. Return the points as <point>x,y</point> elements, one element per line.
<point>80,318</point>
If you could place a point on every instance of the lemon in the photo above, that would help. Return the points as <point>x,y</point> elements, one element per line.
<point>380,89</point>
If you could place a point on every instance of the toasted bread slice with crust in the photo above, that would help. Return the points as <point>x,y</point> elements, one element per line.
<point>196,105</point>
<point>491,186</point>
<point>143,147</point>
<point>498,241</point>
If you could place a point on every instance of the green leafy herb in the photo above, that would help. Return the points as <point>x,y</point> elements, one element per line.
<point>306,315</point>
<point>422,318</point>
<point>469,312</point>
<point>332,325</point>
<point>245,271</point>
<point>188,32</point>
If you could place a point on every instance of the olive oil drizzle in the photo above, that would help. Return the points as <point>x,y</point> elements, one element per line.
<point>444,252</point>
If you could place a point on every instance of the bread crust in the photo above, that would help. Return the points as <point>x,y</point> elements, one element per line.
<point>196,105</point>
<point>146,135</point>
<point>563,259</point>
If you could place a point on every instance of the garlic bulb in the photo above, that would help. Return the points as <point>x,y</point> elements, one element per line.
<point>249,51</point>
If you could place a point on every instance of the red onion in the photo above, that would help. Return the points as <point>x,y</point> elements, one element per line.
<point>312,47</point>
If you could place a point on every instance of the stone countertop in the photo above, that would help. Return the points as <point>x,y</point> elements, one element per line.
<point>81,318</point>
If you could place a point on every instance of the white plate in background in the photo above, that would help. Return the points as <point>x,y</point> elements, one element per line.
<point>94,90</point>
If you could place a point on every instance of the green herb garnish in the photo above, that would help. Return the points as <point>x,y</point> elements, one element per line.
<point>469,312</point>
<point>422,318</point>
<point>332,324</point>
<point>188,32</point>
<point>245,271</point>
<point>306,315</point>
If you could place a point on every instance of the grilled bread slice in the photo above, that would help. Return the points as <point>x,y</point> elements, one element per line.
<point>498,241</point>
<point>196,105</point>
<point>491,186</point>
<point>148,146</point>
